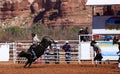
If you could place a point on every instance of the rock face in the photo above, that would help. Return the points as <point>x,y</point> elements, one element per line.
<point>71,12</point>
<point>14,7</point>
<point>11,9</point>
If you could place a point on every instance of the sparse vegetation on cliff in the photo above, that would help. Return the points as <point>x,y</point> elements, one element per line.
<point>14,33</point>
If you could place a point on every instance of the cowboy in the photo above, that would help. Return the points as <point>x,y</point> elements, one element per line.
<point>56,48</point>
<point>47,55</point>
<point>35,42</point>
<point>67,48</point>
<point>97,50</point>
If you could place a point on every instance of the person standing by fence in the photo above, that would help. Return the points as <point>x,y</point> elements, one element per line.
<point>118,47</point>
<point>118,42</point>
<point>67,48</point>
<point>82,32</point>
<point>47,55</point>
<point>115,39</point>
<point>96,48</point>
<point>56,49</point>
<point>119,60</point>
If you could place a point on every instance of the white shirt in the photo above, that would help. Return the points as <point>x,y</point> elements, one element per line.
<point>56,46</point>
<point>36,39</point>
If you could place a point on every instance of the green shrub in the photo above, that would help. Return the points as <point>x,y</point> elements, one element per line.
<point>15,31</point>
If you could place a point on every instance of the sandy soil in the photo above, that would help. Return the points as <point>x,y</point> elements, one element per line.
<point>7,68</point>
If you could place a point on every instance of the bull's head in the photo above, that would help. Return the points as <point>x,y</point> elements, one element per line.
<point>47,41</point>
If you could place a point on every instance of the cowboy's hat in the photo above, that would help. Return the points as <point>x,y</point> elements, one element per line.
<point>66,41</point>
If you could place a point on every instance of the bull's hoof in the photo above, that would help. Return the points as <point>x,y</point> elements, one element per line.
<point>25,67</point>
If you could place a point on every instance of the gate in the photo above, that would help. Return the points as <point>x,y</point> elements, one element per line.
<point>8,52</point>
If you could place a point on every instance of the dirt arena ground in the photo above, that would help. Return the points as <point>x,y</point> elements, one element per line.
<point>10,68</point>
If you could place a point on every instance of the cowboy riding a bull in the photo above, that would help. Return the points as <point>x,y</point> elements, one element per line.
<point>36,50</point>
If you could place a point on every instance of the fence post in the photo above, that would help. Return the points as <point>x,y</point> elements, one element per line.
<point>79,51</point>
<point>92,54</point>
<point>14,52</point>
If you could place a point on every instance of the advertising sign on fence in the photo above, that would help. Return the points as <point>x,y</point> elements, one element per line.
<point>4,52</point>
<point>109,51</point>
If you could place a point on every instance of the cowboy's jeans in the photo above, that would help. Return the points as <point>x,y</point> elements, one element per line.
<point>56,54</point>
<point>68,57</point>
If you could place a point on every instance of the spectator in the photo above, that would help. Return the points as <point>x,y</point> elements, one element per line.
<point>97,50</point>
<point>115,40</point>
<point>118,13</point>
<point>96,36</point>
<point>67,48</point>
<point>47,55</point>
<point>97,14</point>
<point>108,37</point>
<point>118,47</point>
<point>86,32</point>
<point>119,61</point>
<point>56,49</point>
<point>118,53</point>
<point>82,32</point>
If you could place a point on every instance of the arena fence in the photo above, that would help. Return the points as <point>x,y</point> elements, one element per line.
<point>79,52</point>
<point>50,56</point>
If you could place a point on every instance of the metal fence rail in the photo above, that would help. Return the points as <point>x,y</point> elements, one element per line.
<point>17,47</point>
<point>24,45</point>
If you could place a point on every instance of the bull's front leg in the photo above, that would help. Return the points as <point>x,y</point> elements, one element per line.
<point>26,64</point>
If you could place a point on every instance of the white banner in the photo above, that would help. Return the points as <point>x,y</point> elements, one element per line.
<point>103,2</point>
<point>4,52</point>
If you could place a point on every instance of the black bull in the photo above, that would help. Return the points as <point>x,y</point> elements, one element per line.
<point>39,50</point>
